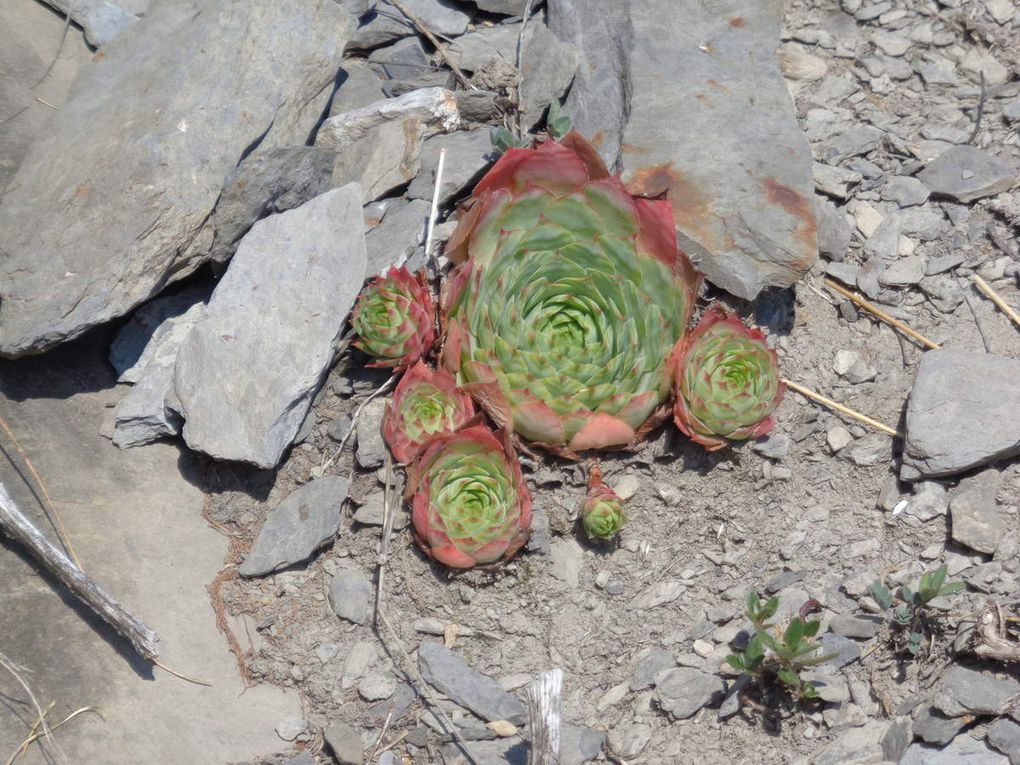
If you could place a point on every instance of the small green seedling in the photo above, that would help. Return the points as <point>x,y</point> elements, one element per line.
<point>780,654</point>
<point>911,616</point>
<point>503,139</point>
<point>558,123</point>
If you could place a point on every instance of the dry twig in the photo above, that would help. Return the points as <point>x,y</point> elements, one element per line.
<point>873,309</point>
<point>543,699</point>
<point>994,296</point>
<point>844,409</point>
<point>41,715</point>
<point>382,389</point>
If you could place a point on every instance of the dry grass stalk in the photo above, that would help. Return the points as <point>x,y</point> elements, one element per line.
<point>875,310</point>
<point>843,409</point>
<point>994,296</point>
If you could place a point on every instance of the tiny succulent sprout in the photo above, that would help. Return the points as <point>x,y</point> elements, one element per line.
<point>911,617</point>
<point>395,319</point>
<point>602,514</point>
<point>727,381</point>
<point>469,504</point>
<point>426,404</point>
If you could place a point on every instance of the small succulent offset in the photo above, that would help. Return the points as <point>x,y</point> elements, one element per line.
<point>426,404</point>
<point>771,653</point>
<point>911,616</point>
<point>569,298</point>
<point>602,512</point>
<point>395,319</point>
<point>727,382</point>
<point>469,502</point>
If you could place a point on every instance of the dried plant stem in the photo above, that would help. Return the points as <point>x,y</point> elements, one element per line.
<point>15,525</point>
<point>844,409</point>
<point>35,735</point>
<point>873,309</point>
<point>520,67</point>
<point>41,715</point>
<point>384,542</point>
<point>543,699</point>
<point>440,48</point>
<point>382,389</point>
<point>434,213</point>
<point>986,288</point>
<point>49,507</point>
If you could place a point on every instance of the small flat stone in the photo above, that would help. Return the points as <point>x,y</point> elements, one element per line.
<point>1004,735</point>
<point>965,173</point>
<point>403,60</point>
<point>961,413</point>
<point>905,191</point>
<point>854,142</point>
<point>966,691</point>
<point>775,447</point>
<point>383,24</point>
<point>872,449</point>
<point>445,671</point>
<point>933,727</point>
<point>963,749</point>
<point>890,44</point>
<point>834,181</point>
<point>371,513</point>
<point>904,272</point>
<point>304,521</point>
<point>844,650</point>
<point>897,738</point>
<point>345,743</point>
<point>838,437</point>
<point>371,447</point>
<point>350,596</point>
<point>400,233</point>
<point>860,627</point>
<point>682,691</point>
<point>929,501</point>
<point>468,154</point>
<point>659,594</point>
<point>834,230</point>
<point>649,667</point>
<point>359,662</point>
<point>376,686</point>
<point>977,521</point>
<point>831,687</point>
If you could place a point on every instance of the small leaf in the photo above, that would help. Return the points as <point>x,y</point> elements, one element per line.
<point>903,614</point>
<point>789,677</point>
<point>939,577</point>
<point>952,588</point>
<point>769,609</point>
<point>811,628</point>
<point>755,652</point>
<point>905,594</point>
<point>881,594</point>
<point>915,643</point>
<point>809,691</point>
<point>752,606</point>
<point>737,661</point>
<point>794,632</point>
<point>769,641</point>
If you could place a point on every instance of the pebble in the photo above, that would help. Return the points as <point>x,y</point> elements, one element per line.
<point>652,662</point>
<point>905,191</point>
<point>291,728</point>
<point>447,672</point>
<point>659,594</point>
<point>358,664</point>
<point>860,627</point>
<point>339,426</point>
<point>977,522</point>
<point>890,44</point>
<point>873,449</point>
<point>371,447</point>
<point>350,595</point>
<point>904,272</point>
<point>682,691</point>
<point>371,513</point>
<point>776,446</point>
<point>831,687</point>
<point>866,217</point>
<point>966,691</point>
<point>966,173</point>
<point>837,437</point>
<point>345,743</point>
<point>377,686</point>
<point>628,741</point>
<point>844,650</point>
<point>1004,735</point>
<point>627,486</point>
<point>962,750</point>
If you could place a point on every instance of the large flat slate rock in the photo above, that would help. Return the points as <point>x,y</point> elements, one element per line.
<point>962,413</point>
<point>110,202</point>
<point>247,372</point>
<point>708,122</point>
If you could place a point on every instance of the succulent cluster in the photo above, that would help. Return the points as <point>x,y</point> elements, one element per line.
<point>565,320</point>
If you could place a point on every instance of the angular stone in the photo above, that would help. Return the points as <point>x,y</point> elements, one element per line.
<point>468,155</point>
<point>246,373</point>
<point>834,181</point>
<point>857,745</point>
<point>965,173</point>
<point>933,727</point>
<point>904,272</point>
<point>345,743</point>
<point>383,23</point>
<point>297,527</point>
<point>403,60</point>
<point>930,500</point>
<point>359,86</point>
<point>860,627</point>
<point>905,191</point>
<point>649,667</point>
<point>872,449</point>
<point>977,522</point>
<point>350,595</point>
<point>961,413</point>
<point>267,182</point>
<point>739,173</point>
<point>445,671</point>
<point>371,448</point>
<point>854,142</point>
<point>682,691</point>
<point>963,749</point>
<point>401,231</point>
<point>834,230</point>
<point>1004,735</point>
<point>154,332</point>
<point>966,691</point>
<point>371,513</point>
<point>100,20</point>
<point>505,7</point>
<point>122,182</point>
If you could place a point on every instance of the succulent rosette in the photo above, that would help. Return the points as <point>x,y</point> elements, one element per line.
<point>426,404</point>
<point>602,514</point>
<point>395,319</point>
<point>570,297</point>
<point>727,381</point>
<point>469,504</point>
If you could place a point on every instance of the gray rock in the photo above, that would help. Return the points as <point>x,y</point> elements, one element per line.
<point>965,173</point>
<point>961,413</point>
<point>977,522</point>
<point>447,672</point>
<point>872,449</point>
<point>549,64</point>
<point>834,230</point>
<point>298,526</point>
<point>146,413</point>
<point>339,427</point>
<point>860,627</point>
<point>963,749</point>
<point>371,513</point>
<point>897,738</point>
<point>579,745</point>
<point>395,707</point>
<point>775,447</point>
<point>965,691</point>
<point>857,745</point>
<point>933,727</point>
<point>404,60</point>
<point>385,157</point>
<point>930,500</point>
<point>682,691</point>
<point>505,7</point>
<point>267,182</point>
<point>302,758</point>
<point>854,142</point>
<point>350,595</point>
<point>757,229</point>
<point>468,155</point>
<point>246,373</point>
<point>401,231</point>
<point>359,86</point>
<point>122,182</point>
<point>100,20</point>
<point>371,446</point>
<point>905,191</point>
<point>540,541</point>
<point>834,181</point>
<point>154,324</point>
<point>649,667</point>
<point>598,101</point>
<point>843,650</point>
<point>377,686</point>
<point>943,291</point>
<point>925,222</point>
<point>904,272</point>
<point>345,743</point>
<point>1004,735</point>
<point>384,23</point>
<point>843,272</point>
<point>831,687</point>
<point>359,662</point>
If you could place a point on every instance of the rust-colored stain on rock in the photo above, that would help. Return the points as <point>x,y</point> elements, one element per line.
<point>713,83</point>
<point>690,206</point>
<point>799,207</point>
<point>704,99</point>
<point>737,21</point>
<point>598,139</point>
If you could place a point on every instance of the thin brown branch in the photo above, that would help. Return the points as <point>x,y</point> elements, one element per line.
<point>384,388</point>
<point>873,309</point>
<point>843,409</point>
<point>994,296</point>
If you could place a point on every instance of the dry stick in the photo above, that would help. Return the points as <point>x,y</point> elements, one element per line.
<point>10,667</point>
<point>855,298</point>
<point>384,388</point>
<point>520,68</point>
<point>840,408</point>
<point>986,288</point>
<point>440,49</point>
<point>543,700</point>
<point>49,508</point>
<point>384,542</point>
<point>15,525</point>
<point>35,735</point>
